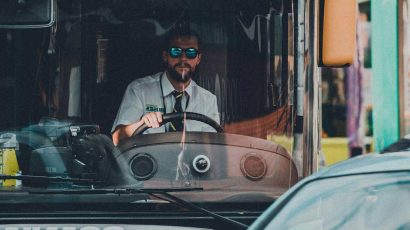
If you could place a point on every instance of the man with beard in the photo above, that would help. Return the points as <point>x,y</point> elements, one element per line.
<point>147,99</point>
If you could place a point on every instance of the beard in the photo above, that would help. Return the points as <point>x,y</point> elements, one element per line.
<point>173,73</point>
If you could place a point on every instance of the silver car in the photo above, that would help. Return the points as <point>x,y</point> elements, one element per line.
<point>367,192</point>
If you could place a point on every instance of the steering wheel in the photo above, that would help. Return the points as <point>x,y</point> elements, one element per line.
<point>178,116</point>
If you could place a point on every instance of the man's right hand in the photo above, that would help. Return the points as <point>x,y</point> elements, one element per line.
<point>152,120</point>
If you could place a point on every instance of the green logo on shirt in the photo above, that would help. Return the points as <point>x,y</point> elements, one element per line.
<point>153,108</point>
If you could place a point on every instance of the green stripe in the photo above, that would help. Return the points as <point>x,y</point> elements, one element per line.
<point>385,76</point>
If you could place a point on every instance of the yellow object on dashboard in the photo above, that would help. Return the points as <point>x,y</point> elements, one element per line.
<point>8,165</point>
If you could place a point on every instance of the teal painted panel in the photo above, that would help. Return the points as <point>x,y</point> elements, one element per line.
<point>385,86</point>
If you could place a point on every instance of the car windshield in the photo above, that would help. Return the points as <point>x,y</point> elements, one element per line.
<point>349,202</point>
<point>104,65</point>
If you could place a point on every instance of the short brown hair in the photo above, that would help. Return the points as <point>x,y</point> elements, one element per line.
<point>181,32</point>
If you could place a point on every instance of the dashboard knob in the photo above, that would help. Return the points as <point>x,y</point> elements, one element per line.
<point>253,166</point>
<point>201,164</point>
<point>143,166</point>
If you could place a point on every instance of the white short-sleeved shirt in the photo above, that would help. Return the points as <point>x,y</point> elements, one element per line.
<point>144,96</point>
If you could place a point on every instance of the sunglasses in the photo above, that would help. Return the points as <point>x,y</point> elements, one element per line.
<point>176,52</point>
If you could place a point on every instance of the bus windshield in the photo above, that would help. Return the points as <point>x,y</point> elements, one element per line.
<point>80,68</point>
<point>102,84</point>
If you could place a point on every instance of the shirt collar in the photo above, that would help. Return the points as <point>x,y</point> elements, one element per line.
<point>168,88</point>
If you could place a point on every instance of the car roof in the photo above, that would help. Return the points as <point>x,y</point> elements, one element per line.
<point>369,163</point>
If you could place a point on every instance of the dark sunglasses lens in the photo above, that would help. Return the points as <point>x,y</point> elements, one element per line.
<point>191,53</point>
<point>175,52</point>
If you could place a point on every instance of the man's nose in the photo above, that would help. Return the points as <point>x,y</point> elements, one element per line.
<point>183,56</point>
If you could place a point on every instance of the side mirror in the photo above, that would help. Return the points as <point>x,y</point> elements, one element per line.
<point>337,32</point>
<point>24,14</point>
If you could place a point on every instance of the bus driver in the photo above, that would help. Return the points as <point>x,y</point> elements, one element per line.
<point>147,99</point>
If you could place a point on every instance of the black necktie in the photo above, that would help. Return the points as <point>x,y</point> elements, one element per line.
<point>177,125</point>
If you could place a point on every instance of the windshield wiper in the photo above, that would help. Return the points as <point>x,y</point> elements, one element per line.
<point>175,200</point>
<point>31,178</point>
<point>159,193</point>
<point>117,191</point>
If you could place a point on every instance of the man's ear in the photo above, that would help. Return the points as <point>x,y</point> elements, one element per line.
<point>199,58</point>
<point>164,56</point>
